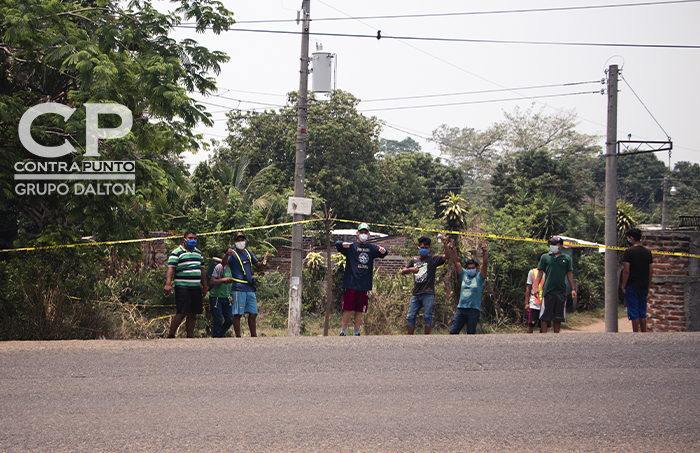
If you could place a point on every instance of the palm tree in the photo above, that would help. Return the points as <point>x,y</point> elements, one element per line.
<point>626,219</point>
<point>553,214</point>
<point>455,211</point>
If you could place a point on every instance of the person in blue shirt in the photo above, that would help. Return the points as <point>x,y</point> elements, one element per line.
<point>242,290</point>
<point>357,277</point>
<point>472,283</point>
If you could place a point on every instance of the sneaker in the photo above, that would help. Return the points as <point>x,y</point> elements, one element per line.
<point>357,335</point>
<point>342,334</point>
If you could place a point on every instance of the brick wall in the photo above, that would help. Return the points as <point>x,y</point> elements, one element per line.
<point>155,253</point>
<point>673,304</point>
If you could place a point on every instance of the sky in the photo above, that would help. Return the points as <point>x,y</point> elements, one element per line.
<point>455,48</point>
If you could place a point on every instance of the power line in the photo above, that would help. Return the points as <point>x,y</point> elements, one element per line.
<point>478,102</point>
<point>481,92</point>
<point>473,13</point>
<point>645,107</point>
<point>467,40</point>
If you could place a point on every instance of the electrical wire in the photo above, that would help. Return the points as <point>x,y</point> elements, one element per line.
<point>480,92</point>
<point>467,40</point>
<point>473,13</point>
<point>645,107</point>
<point>476,102</point>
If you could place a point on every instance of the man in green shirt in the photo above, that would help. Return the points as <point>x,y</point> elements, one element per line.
<point>558,268</point>
<point>220,301</point>
<point>190,283</point>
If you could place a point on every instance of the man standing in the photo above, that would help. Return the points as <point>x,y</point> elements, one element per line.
<point>357,277</point>
<point>242,289</point>
<point>471,285</point>
<point>423,267</point>
<point>558,268</point>
<point>533,299</point>
<point>185,265</point>
<point>220,300</point>
<point>636,279</point>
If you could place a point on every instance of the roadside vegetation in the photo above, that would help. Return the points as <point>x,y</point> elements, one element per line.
<point>529,175</point>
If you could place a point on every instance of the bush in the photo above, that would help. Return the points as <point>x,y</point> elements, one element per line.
<point>591,281</point>
<point>272,292</point>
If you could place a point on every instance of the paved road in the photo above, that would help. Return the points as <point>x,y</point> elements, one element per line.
<point>584,392</point>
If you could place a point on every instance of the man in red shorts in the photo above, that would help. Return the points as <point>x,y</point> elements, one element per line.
<point>357,278</point>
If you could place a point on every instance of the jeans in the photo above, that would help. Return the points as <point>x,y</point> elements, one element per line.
<point>468,316</point>
<point>427,301</point>
<point>221,312</point>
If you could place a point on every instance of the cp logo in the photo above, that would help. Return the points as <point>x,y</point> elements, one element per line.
<point>92,132</point>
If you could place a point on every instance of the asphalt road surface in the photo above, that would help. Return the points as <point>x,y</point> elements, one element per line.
<point>584,392</point>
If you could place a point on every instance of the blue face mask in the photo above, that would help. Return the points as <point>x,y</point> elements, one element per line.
<point>191,243</point>
<point>471,272</point>
<point>423,252</point>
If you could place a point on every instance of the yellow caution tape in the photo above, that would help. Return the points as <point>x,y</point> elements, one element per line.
<point>128,241</point>
<point>120,303</point>
<point>156,319</point>
<point>508,238</point>
<point>461,233</point>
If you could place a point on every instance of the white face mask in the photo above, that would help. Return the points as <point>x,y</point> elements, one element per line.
<point>364,237</point>
<point>240,245</point>
<point>554,248</point>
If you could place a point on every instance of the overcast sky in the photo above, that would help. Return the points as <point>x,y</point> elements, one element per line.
<point>264,66</point>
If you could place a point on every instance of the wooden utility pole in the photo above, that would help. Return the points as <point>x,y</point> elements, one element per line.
<point>329,224</point>
<point>611,277</point>
<point>294,320</point>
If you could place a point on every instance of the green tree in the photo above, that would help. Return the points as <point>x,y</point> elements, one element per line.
<point>393,147</point>
<point>686,178</point>
<point>412,185</point>
<point>75,53</point>
<point>640,180</point>
<point>533,173</point>
<point>479,153</point>
<point>341,166</point>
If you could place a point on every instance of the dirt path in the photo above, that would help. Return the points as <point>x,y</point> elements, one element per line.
<point>623,325</point>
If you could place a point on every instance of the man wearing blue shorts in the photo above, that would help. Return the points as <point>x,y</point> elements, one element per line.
<point>243,297</point>
<point>636,279</point>
<point>423,269</point>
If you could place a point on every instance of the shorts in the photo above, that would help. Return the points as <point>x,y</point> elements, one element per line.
<point>244,302</point>
<point>532,317</point>
<point>554,307</point>
<point>636,302</point>
<point>427,301</point>
<point>355,300</point>
<point>188,300</point>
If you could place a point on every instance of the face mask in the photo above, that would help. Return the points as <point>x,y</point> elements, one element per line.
<point>191,243</point>
<point>423,252</point>
<point>554,248</point>
<point>240,245</point>
<point>628,241</point>
<point>471,272</point>
<point>364,237</point>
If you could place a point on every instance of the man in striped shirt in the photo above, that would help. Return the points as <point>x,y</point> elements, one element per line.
<point>185,264</point>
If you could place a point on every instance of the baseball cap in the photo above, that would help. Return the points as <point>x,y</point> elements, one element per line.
<point>556,240</point>
<point>363,226</point>
<point>240,234</point>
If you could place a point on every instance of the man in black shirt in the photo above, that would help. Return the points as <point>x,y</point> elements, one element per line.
<point>423,267</point>
<point>636,279</point>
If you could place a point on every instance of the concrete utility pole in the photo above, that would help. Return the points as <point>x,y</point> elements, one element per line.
<point>294,320</point>
<point>611,205</point>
